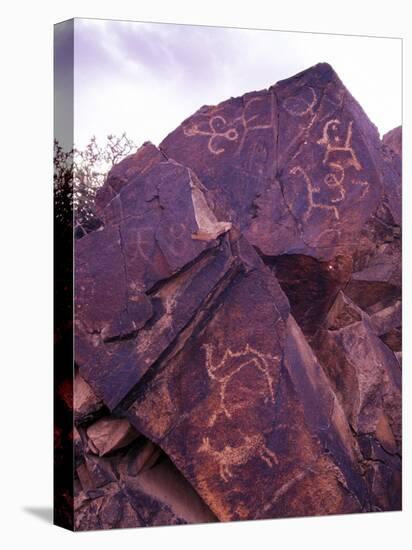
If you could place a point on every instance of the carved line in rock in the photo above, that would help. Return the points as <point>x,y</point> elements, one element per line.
<point>141,245</point>
<point>336,177</point>
<point>306,110</point>
<point>311,189</point>
<point>337,144</point>
<point>309,110</point>
<point>248,356</point>
<point>287,486</point>
<point>254,445</point>
<point>231,134</point>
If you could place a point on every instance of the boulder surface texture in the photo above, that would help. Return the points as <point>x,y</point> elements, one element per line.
<point>238,318</point>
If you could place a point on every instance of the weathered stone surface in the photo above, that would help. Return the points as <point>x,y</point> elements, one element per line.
<point>366,378</point>
<point>86,403</point>
<point>296,167</point>
<point>387,319</point>
<point>241,307</point>
<point>109,434</point>
<point>121,174</point>
<point>377,278</point>
<point>154,228</point>
<point>393,140</point>
<point>365,373</point>
<point>243,414</point>
<point>311,286</point>
<point>136,487</point>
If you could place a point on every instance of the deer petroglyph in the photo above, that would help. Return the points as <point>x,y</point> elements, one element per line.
<point>230,365</point>
<point>229,456</point>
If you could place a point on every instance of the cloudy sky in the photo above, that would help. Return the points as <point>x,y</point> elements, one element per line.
<point>145,78</point>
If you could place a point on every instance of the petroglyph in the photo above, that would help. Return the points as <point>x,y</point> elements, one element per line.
<point>283,489</point>
<point>311,189</point>
<point>214,132</point>
<point>223,373</point>
<point>363,184</point>
<point>220,128</point>
<point>246,121</point>
<point>328,235</point>
<point>299,105</point>
<point>337,164</point>
<point>335,180</point>
<point>229,457</point>
<point>335,143</point>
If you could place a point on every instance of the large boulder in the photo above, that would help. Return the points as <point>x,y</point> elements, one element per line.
<point>238,318</point>
<point>296,167</point>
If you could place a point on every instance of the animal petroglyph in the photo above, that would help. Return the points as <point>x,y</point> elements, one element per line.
<point>218,127</point>
<point>311,190</point>
<point>251,446</point>
<point>335,143</point>
<point>229,366</point>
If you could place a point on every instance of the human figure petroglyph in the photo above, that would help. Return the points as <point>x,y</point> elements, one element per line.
<point>335,143</point>
<point>140,246</point>
<point>338,157</point>
<point>222,373</point>
<point>311,189</point>
<point>251,446</point>
<point>220,128</point>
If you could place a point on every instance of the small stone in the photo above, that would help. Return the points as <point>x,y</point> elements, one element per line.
<point>109,434</point>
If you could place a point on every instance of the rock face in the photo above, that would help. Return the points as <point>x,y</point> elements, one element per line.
<point>287,165</point>
<point>238,318</point>
<point>393,140</point>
